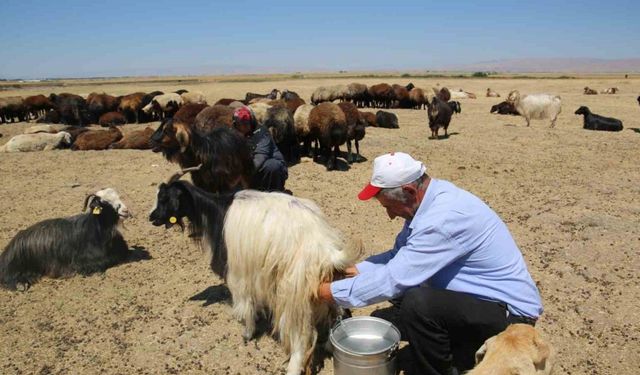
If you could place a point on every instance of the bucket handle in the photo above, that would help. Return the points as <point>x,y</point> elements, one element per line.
<point>393,350</point>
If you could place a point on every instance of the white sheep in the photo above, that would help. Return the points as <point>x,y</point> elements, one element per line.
<point>301,120</point>
<point>37,142</point>
<point>536,106</point>
<point>52,129</point>
<point>460,94</point>
<point>193,97</point>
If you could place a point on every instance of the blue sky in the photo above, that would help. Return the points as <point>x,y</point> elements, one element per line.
<point>111,38</point>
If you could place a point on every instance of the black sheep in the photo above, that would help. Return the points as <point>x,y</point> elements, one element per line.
<point>597,122</point>
<point>85,243</point>
<point>387,120</point>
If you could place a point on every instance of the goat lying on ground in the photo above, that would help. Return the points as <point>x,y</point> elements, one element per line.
<point>85,243</point>
<point>597,122</point>
<point>517,350</point>
<point>274,250</point>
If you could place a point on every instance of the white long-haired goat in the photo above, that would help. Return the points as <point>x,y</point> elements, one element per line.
<point>536,106</point>
<point>278,249</point>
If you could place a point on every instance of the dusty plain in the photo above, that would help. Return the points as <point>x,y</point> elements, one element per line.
<point>570,197</point>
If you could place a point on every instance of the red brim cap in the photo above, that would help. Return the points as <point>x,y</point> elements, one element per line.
<point>368,192</point>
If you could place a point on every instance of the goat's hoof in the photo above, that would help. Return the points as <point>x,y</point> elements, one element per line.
<point>247,335</point>
<point>22,287</point>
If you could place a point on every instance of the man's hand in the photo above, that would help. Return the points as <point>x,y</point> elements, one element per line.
<point>324,293</point>
<point>350,271</point>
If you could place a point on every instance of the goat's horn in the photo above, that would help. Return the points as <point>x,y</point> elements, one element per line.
<point>177,176</point>
<point>86,201</point>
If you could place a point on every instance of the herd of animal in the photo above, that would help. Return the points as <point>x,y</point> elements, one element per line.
<point>255,265</point>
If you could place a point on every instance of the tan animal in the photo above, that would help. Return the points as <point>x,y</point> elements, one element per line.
<point>588,91</point>
<point>610,90</point>
<point>136,140</point>
<point>492,94</point>
<point>518,350</point>
<point>96,139</point>
<point>37,142</point>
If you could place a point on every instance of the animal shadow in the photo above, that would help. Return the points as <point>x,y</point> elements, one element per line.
<point>513,125</point>
<point>637,130</point>
<point>341,165</point>
<point>213,294</point>
<point>138,253</point>
<point>441,137</point>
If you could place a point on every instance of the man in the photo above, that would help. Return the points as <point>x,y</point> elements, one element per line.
<point>459,276</point>
<point>271,169</point>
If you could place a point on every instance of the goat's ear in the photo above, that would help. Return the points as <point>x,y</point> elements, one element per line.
<point>483,350</point>
<point>182,136</point>
<point>88,201</point>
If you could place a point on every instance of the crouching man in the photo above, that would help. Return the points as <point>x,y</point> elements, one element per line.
<point>270,168</point>
<point>455,275</point>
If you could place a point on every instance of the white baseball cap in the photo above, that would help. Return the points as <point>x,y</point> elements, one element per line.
<point>392,170</point>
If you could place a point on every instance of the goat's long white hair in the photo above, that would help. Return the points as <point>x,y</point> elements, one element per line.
<point>536,106</point>
<point>280,248</point>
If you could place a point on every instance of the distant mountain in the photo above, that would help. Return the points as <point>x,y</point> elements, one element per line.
<point>554,65</point>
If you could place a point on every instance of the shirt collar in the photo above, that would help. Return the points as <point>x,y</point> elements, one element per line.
<point>428,198</point>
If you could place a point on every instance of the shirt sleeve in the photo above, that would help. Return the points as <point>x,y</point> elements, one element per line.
<point>375,261</point>
<point>262,151</point>
<point>425,253</point>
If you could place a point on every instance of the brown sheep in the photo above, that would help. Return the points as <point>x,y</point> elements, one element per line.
<point>355,129</point>
<point>301,124</point>
<point>37,105</point>
<point>368,118</point>
<point>401,96</point>
<point>99,104</point>
<point>328,125</point>
<point>517,350</point>
<point>213,117</point>
<point>12,107</point>
<point>417,98</point>
<point>588,91</point>
<point>443,93</point>
<point>136,140</point>
<point>131,106</point>
<point>227,101</point>
<point>96,139</point>
<point>381,95</point>
<point>293,104</point>
<point>112,119</point>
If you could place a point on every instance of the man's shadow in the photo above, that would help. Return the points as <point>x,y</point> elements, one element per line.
<point>637,130</point>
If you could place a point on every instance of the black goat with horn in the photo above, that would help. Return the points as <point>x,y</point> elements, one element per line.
<point>84,244</point>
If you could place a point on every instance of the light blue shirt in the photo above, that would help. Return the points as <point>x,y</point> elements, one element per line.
<point>455,242</point>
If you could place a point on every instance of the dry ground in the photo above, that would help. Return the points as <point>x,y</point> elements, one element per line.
<point>569,196</point>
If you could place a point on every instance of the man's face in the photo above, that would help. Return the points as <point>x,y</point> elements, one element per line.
<point>397,208</point>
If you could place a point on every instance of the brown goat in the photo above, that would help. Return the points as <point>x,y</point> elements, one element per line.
<point>355,129</point>
<point>112,119</point>
<point>96,139</point>
<point>137,140</point>
<point>328,125</point>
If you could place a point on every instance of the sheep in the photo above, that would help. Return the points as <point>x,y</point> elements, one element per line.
<point>504,108</point>
<point>417,98</point>
<point>86,243</point>
<point>272,95</point>
<point>355,130</point>
<point>213,117</point>
<point>358,94</point>
<point>112,119</point>
<point>329,93</point>
<point>136,140</point>
<point>387,120</point>
<point>610,90</point>
<point>439,114</point>
<point>260,111</point>
<point>368,118</point>
<point>492,94</point>
<point>597,122</point>
<point>131,106</point>
<point>72,108</point>
<point>328,125</point>
<point>236,104</point>
<point>279,121</point>
<point>193,97</point>
<point>37,105</point>
<point>288,95</point>
<point>401,96</point>
<point>51,129</point>
<point>293,104</point>
<point>588,91</point>
<point>224,152</point>
<point>274,269</point>
<point>165,105</point>
<point>96,139</point>
<point>99,104</point>
<point>146,99</point>
<point>37,142</point>
<point>519,349</point>
<point>536,106</point>
<point>443,93</point>
<point>462,95</point>
<point>13,107</point>
<point>301,123</point>
<point>227,101</point>
<point>381,95</point>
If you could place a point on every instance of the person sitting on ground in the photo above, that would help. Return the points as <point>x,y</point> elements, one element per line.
<point>270,166</point>
<point>455,275</point>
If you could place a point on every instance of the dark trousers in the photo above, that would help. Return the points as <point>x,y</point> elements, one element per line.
<point>444,328</point>
<point>271,176</point>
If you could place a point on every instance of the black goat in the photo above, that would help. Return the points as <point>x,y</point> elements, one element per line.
<point>439,113</point>
<point>504,108</point>
<point>206,213</point>
<point>455,106</point>
<point>597,122</point>
<point>273,95</point>
<point>84,244</point>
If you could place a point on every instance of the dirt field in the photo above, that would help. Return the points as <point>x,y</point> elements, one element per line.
<point>570,197</point>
